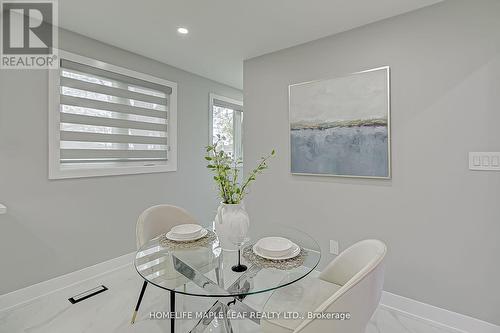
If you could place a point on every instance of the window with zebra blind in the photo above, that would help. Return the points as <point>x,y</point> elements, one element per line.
<point>108,120</point>
<point>226,124</point>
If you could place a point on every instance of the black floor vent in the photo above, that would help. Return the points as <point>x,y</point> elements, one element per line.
<point>86,294</point>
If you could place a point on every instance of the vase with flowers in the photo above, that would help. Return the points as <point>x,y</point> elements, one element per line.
<point>231,221</point>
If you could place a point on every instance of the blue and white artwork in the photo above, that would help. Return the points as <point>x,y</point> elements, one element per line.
<point>341,126</point>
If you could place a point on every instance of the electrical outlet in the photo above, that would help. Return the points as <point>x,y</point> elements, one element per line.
<point>334,247</point>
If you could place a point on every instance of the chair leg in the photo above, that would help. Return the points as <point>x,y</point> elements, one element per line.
<point>144,285</point>
<point>172,312</point>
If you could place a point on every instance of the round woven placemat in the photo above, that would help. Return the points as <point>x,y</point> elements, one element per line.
<point>171,244</point>
<point>286,264</point>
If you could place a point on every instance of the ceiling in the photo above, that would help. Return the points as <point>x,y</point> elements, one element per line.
<point>222,32</point>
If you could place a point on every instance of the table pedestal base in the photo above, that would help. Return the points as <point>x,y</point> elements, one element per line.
<point>223,304</point>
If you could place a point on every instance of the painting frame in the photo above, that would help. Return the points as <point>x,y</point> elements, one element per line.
<point>387,70</point>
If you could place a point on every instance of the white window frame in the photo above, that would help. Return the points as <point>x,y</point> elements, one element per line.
<point>237,132</point>
<point>59,171</point>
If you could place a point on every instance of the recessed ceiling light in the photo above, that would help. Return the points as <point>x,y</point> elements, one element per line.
<point>182,31</point>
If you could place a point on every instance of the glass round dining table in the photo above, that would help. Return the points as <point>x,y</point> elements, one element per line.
<point>203,269</point>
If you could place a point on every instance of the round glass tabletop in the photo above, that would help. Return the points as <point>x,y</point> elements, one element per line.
<point>202,268</point>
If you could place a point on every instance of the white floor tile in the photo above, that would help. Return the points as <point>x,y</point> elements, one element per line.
<point>111,311</point>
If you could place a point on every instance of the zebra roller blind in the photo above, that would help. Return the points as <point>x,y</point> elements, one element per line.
<point>227,105</point>
<point>110,117</point>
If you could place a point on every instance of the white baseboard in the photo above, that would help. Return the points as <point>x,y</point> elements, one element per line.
<point>451,321</point>
<point>433,315</point>
<point>46,287</point>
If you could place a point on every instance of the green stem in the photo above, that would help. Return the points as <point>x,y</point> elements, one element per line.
<point>249,179</point>
<point>223,165</point>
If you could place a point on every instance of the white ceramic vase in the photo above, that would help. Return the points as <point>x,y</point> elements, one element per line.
<point>231,223</point>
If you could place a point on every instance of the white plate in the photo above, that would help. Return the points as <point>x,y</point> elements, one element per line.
<point>186,230</point>
<point>274,246</point>
<point>292,254</point>
<point>203,233</point>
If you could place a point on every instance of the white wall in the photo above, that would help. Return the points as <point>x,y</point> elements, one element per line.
<point>440,220</point>
<point>55,227</point>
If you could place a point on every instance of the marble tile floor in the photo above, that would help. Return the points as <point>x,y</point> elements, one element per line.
<point>111,311</point>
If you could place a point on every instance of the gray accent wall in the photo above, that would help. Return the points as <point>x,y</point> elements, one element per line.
<point>440,221</point>
<point>55,227</point>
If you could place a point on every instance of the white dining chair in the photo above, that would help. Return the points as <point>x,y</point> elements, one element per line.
<point>153,222</point>
<point>351,283</point>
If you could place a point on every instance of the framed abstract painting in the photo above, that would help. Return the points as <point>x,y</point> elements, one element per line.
<point>341,126</point>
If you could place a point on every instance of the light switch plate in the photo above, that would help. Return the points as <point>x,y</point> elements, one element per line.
<point>484,161</point>
<point>3,209</point>
<point>334,247</point>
